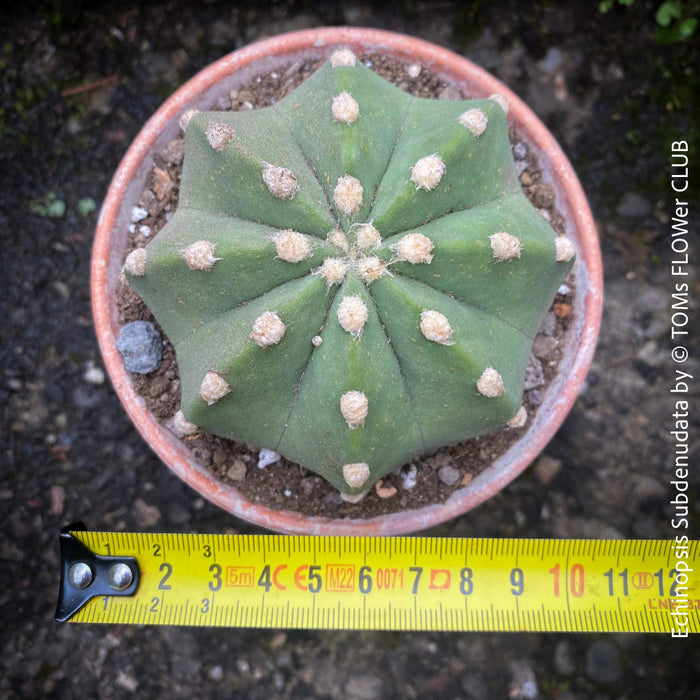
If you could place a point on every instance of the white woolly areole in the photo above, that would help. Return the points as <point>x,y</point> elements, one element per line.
<point>135,263</point>
<point>565,248</point>
<point>182,426</point>
<point>213,387</point>
<point>501,101</point>
<point>292,246</point>
<point>356,474</point>
<point>345,108</point>
<point>435,326</point>
<point>333,270</point>
<point>371,268</point>
<point>186,117</point>
<point>519,419</point>
<point>317,341</point>
<point>414,248</point>
<point>490,383</point>
<point>280,181</point>
<point>367,237</point>
<point>200,255</point>
<point>354,406</point>
<point>337,238</point>
<point>348,195</point>
<point>505,246</point>
<point>475,120</point>
<point>352,314</point>
<point>218,135</point>
<point>343,57</point>
<point>268,329</point>
<point>428,172</point>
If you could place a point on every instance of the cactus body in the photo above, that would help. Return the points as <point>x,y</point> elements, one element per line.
<point>353,275</point>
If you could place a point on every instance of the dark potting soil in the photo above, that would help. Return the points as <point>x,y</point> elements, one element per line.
<point>287,486</point>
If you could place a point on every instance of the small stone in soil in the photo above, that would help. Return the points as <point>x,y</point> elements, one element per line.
<point>409,477</point>
<point>535,397</point>
<point>549,325</point>
<point>94,375</point>
<point>564,662</point>
<point>216,673</point>
<point>546,469</point>
<point>448,475</point>
<point>603,662</point>
<point>534,375</point>
<point>524,682</point>
<point>384,491</point>
<point>140,344</point>
<point>544,345</point>
<point>520,150</point>
<point>237,470</point>
<point>414,70</point>
<point>562,310</point>
<point>138,214</point>
<point>267,457</point>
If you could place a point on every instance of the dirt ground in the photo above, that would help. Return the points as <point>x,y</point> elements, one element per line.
<point>78,81</point>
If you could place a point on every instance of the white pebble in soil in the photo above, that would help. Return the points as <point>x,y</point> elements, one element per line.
<point>138,214</point>
<point>94,375</point>
<point>267,457</point>
<point>409,477</point>
<point>414,70</point>
<point>524,683</point>
<point>216,673</point>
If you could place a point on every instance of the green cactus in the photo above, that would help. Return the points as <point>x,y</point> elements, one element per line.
<point>353,276</point>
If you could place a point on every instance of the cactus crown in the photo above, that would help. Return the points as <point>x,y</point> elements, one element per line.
<point>353,275</point>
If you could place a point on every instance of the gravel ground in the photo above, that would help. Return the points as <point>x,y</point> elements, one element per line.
<point>77,85</point>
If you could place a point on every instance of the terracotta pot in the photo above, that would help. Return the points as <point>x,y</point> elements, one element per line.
<point>234,70</point>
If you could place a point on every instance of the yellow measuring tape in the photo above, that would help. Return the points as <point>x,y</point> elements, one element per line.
<point>363,583</point>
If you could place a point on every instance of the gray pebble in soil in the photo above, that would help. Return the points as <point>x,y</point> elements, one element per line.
<point>603,663</point>
<point>520,150</point>
<point>141,347</point>
<point>87,396</point>
<point>534,374</point>
<point>474,685</point>
<point>633,206</point>
<point>364,686</point>
<point>564,662</point>
<point>552,60</point>
<point>448,475</point>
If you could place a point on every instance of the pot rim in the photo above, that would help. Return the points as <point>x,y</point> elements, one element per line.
<point>571,199</point>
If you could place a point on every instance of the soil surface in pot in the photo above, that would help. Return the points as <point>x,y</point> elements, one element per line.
<point>283,485</point>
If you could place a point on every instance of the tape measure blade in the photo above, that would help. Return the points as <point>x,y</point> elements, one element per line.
<point>277,581</point>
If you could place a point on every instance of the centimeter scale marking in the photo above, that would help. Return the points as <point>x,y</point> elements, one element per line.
<point>277,581</point>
